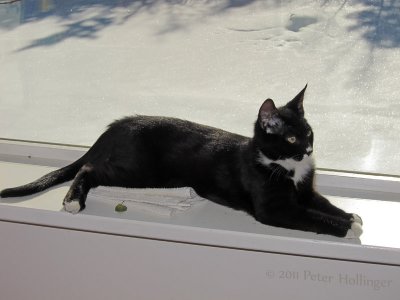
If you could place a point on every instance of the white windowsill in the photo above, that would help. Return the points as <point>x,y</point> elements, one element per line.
<point>374,198</point>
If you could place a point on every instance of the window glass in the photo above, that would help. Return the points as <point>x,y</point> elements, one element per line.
<point>68,68</point>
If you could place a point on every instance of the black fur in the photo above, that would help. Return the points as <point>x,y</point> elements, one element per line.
<point>151,152</point>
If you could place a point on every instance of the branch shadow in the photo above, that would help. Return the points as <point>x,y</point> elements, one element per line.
<point>79,29</point>
<point>71,14</point>
<point>379,23</point>
<point>85,19</point>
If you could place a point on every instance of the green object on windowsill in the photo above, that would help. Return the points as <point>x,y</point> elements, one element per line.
<point>120,207</point>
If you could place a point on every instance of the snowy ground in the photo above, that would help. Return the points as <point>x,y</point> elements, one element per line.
<point>68,68</point>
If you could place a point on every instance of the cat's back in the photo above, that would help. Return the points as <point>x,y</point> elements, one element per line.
<point>143,151</point>
<point>162,128</point>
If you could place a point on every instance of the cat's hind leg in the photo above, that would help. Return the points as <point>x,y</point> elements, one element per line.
<point>84,180</point>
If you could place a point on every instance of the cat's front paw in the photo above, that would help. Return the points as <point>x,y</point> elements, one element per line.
<point>356,218</point>
<point>355,231</point>
<point>72,206</point>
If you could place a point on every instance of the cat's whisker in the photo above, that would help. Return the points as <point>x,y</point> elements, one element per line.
<point>275,171</point>
<point>271,176</point>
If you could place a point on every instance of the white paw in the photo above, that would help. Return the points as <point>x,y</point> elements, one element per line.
<point>356,218</point>
<point>354,232</point>
<point>72,206</point>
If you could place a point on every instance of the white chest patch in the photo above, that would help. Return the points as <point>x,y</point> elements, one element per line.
<point>300,168</point>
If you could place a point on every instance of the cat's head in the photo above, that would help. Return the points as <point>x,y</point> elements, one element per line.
<point>283,132</point>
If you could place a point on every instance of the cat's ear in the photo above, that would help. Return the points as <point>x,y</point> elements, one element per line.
<point>268,116</point>
<point>296,104</point>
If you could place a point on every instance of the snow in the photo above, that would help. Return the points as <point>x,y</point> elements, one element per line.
<point>68,68</point>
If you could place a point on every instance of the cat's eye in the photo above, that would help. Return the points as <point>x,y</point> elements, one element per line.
<point>291,139</point>
<point>309,134</point>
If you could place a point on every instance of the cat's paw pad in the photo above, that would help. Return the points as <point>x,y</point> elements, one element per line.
<point>354,232</point>
<point>356,218</point>
<point>72,206</point>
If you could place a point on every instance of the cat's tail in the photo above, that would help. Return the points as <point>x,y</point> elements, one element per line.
<point>43,183</point>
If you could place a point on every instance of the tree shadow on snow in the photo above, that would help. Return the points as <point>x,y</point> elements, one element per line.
<point>379,22</point>
<point>87,18</point>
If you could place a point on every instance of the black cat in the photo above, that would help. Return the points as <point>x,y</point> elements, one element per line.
<point>270,176</point>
